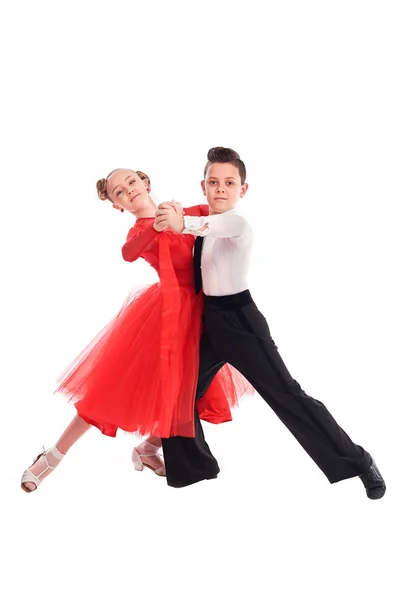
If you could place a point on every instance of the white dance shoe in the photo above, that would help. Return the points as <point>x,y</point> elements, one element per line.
<point>140,462</point>
<point>29,477</point>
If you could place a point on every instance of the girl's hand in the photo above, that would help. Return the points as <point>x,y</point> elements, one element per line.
<point>167,218</point>
<point>159,227</point>
<point>177,206</point>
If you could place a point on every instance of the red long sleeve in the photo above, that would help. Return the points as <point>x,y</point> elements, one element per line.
<point>137,242</point>
<point>200,210</point>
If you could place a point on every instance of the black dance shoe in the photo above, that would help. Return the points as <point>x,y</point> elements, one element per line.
<point>373,482</point>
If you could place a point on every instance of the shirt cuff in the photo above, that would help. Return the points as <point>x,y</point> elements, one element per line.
<point>195,225</point>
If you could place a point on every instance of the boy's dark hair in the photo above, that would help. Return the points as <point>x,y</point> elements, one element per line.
<point>225,155</point>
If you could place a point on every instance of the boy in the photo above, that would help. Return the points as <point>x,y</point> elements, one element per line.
<point>236,332</point>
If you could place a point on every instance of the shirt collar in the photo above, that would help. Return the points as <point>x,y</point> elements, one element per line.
<point>232,211</point>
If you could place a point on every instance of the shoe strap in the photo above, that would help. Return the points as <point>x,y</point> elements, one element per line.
<point>56,453</point>
<point>36,478</point>
<point>154,454</point>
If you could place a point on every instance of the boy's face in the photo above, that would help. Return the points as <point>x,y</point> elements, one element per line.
<point>222,187</point>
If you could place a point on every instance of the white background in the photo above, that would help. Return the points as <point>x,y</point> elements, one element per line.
<point>308,94</point>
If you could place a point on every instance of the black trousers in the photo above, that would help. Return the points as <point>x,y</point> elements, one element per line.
<point>236,332</point>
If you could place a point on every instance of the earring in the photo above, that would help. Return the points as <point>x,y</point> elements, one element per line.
<point>121,209</point>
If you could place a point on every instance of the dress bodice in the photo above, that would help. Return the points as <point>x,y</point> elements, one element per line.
<point>143,241</point>
<point>181,250</point>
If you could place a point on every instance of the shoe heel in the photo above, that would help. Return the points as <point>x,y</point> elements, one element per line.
<point>137,461</point>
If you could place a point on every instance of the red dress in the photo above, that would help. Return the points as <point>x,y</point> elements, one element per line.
<point>140,373</point>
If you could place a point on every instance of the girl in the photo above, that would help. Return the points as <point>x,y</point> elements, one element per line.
<point>140,373</point>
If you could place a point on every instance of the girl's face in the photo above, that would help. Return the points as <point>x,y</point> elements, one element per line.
<point>126,190</point>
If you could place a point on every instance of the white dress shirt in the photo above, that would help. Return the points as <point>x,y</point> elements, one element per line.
<point>226,251</point>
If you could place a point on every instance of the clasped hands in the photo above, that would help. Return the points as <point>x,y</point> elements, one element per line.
<point>169,215</point>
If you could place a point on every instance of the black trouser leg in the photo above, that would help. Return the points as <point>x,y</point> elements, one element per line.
<point>188,460</point>
<point>241,336</point>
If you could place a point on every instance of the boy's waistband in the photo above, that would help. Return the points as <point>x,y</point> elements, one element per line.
<point>229,302</point>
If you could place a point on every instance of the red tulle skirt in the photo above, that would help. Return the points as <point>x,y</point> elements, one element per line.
<point>140,373</point>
